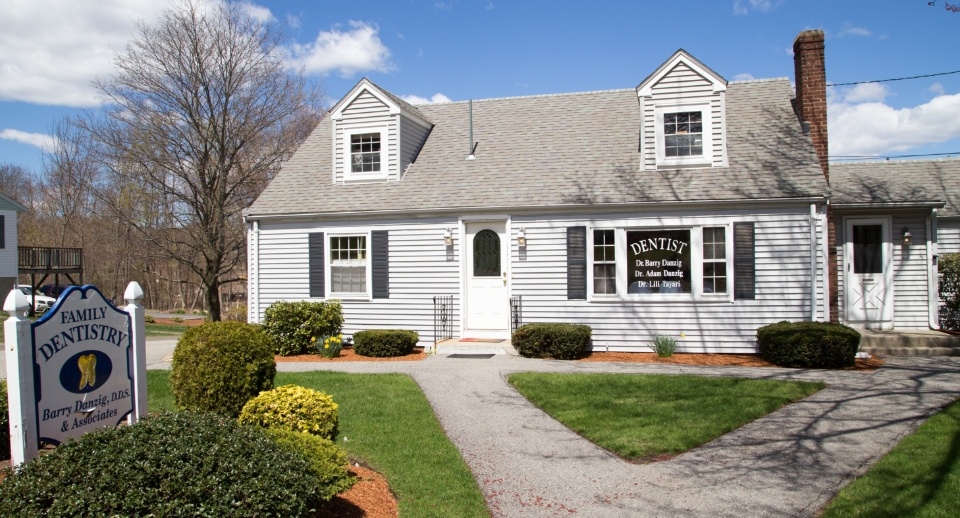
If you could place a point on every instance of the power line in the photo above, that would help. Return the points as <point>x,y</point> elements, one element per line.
<point>888,157</point>
<point>895,79</point>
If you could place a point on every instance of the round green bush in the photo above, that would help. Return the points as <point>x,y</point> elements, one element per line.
<point>328,462</point>
<point>218,366</point>
<point>296,327</point>
<point>384,343</point>
<point>558,341</point>
<point>809,344</point>
<point>293,408</point>
<point>181,464</point>
<point>4,422</point>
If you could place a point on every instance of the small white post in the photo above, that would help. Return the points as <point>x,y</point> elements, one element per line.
<point>20,395</point>
<point>133,295</point>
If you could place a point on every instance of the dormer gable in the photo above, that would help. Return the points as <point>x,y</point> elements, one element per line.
<point>376,135</point>
<point>684,115</point>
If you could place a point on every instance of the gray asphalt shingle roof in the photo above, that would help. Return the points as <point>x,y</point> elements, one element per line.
<point>898,182</point>
<point>560,150</point>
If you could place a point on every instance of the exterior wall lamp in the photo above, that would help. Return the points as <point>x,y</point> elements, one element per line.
<point>522,238</point>
<point>448,237</point>
<point>907,236</point>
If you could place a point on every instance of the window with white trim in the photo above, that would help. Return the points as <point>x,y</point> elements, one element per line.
<point>660,262</point>
<point>684,136</point>
<point>348,264</point>
<point>604,262</point>
<point>365,153</point>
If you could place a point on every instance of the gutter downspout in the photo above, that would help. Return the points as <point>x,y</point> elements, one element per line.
<point>825,239</point>
<point>253,271</point>
<point>933,275</point>
<point>813,262</point>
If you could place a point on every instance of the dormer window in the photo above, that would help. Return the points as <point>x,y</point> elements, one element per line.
<point>683,134</point>
<point>365,153</point>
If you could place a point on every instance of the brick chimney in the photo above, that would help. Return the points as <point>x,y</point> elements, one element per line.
<point>811,107</point>
<point>811,101</point>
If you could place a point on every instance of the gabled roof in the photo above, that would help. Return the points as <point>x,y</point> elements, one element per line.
<point>7,203</point>
<point>898,183</point>
<point>644,89</point>
<point>559,152</point>
<point>396,104</point>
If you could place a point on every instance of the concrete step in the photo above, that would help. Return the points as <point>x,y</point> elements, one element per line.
<point>455,346</point>
<point>909,343</point>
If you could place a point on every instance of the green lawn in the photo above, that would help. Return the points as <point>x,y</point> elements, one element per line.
<point>642,417</point>
<point>387,423</point>
<point>919,477</point>
<point>152,330</point>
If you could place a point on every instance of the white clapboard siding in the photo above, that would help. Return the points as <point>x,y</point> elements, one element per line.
<point>910,295</point>
<point>412,137</point>
<point>539,276</point>
<point>367,112</point>
<point>9,261</point>
<point>421,267</point>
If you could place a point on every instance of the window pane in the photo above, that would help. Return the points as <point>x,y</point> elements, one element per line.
<point>658,261</point>
<point>714,260</point>
<point>868,249</point>
<point>486,254</point>
<point>683,134</point>
<point>604,278</point>
<point>604,262</point>
<point>365,153</point>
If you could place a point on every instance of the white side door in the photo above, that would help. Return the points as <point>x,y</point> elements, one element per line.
<point>487,256</point>
<point>868,273</point>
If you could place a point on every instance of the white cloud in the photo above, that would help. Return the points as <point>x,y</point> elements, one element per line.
<point>40,140</point>
<point>743,77</point>
<point>351,51</point>
<point>936,89</point>
<point>257,12</point>
<point>874,128</point>
<point>850,30</point>
<point>864,93</point>
<point>743,7</point>
<point>416,99</point>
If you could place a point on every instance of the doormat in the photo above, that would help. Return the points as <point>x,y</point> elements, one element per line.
<point>473,356</point>
<point>483,340</point>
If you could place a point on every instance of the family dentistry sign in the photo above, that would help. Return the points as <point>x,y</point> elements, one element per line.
<point>78,368</point>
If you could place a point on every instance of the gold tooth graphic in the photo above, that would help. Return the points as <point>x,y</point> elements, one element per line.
<point>88,370</point>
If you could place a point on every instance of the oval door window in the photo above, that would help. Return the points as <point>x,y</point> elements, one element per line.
<point>486,254</point>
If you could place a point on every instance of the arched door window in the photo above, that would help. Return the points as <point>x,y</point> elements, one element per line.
<point>486,254</point>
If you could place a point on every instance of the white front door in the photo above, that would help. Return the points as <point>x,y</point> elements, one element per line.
<point>868,268</point>
<point>487,256</point>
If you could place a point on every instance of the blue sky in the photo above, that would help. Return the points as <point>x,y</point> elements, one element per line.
<point>425,50</point>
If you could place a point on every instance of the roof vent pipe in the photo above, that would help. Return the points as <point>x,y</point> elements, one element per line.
<point>473,145</point>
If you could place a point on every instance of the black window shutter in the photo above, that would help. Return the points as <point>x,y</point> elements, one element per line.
<point>577,263</point>
<point>317,286</point>
<point>3,231</point>
<point>380,252</point>
<point>744,261</point>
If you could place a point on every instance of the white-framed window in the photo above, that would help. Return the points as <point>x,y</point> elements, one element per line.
<point>683,136</point>
<point>604,262</point>
<point>366,154</point>
<point>691,262</point>
<point>349,266</point>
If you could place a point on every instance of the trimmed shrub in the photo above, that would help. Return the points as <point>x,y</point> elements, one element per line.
<point>181,464</point>
<point>294,408</point>
<point>219,366</point>
<point>328,462</point>
<point>296,326</point>
<point>558,341</point>
<point>809,344</point>
<point>949,288</point>
<point>4,422</point>
<point>383,343</point>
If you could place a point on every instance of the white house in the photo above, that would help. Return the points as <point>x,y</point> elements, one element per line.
<point>688,206</point>
<point>9,260</point>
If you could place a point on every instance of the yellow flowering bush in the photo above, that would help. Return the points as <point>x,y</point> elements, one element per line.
<point>295,408</point>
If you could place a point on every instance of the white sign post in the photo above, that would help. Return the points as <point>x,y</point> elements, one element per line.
<point>79,368</point>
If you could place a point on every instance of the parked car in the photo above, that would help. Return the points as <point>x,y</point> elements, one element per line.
<point>40,302</point>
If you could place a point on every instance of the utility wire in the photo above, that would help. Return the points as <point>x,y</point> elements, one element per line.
<point>895,79</point>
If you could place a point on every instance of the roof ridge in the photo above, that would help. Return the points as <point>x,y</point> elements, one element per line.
<point>895,161</point>
<point>760,80</point>
<point>535,96</point>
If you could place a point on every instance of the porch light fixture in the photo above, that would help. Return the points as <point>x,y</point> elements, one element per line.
<point>907,236</point>
<point>522,237</point>
<point>448,237</point>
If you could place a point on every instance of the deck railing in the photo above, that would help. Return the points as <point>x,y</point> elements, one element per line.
<point>49,259</point>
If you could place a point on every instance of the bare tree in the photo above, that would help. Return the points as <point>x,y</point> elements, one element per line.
<point>201,113</point>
